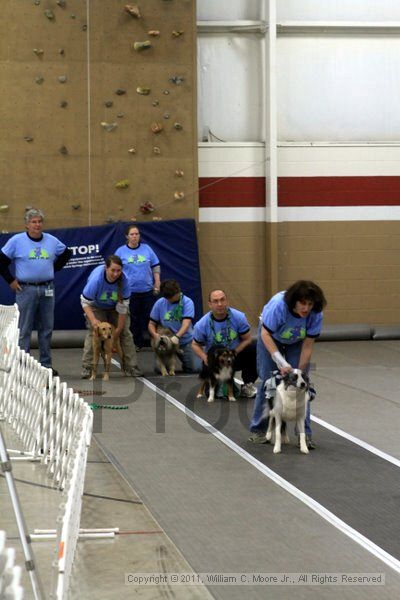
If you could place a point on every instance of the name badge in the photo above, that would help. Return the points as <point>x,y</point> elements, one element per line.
<point>49,292</point>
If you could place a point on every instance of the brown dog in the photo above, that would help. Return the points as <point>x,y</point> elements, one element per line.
<point>103,341</point>
<point>166,351</point>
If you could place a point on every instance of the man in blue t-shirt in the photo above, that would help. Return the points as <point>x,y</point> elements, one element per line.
<point>226,326</point>
<point>36,257</point>
<point>175,311</point>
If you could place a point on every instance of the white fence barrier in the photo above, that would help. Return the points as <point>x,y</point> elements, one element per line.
<point>10,573</point>
<point>54,425</point>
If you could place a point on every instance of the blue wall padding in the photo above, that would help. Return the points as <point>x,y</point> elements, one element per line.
<point>174,242</point>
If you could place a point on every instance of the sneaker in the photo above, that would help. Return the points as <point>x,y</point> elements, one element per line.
<point>258,437</point>
<point>133,372</point>
<point>86,373</point>
<point>249,390</point>
<point>311,445</point>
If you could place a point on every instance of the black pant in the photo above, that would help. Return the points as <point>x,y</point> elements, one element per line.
<point>246,361</point>
<point>140,306</point>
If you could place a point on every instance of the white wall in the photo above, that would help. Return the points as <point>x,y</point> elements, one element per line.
<point>230,87</point>
<point>229,10</point>
<point>329,87</point>
<point>338,88</point>
<point>337,10</point>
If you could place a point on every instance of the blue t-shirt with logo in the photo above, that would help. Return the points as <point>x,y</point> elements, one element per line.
<point>33,259</point>
<point>225,332</point>
<point>284,326</point>
<point>138,264</point>
<point>171,315</point>
<point>103,293</point>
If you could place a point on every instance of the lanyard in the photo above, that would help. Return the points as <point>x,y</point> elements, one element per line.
<point>223,337</point>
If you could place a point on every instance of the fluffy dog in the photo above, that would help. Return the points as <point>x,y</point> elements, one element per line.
<point>218,371</point>
<point>289,404</point>
<point>166,351</point>
<point>103,341</point>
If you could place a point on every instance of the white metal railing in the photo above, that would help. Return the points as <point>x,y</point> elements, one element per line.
<point>10,573</point>
<point>54,425</point>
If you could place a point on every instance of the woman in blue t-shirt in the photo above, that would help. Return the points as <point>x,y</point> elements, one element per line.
<point>142,268</point>
<point>290,322</point>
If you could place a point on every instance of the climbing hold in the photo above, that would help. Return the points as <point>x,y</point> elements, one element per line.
<point>4,208</point>
<point>177,80</point>
<point>179,195</point>
<point>156,150</point>
<point>177,33</point>
<point>39,80</point>
<point>155,103</point>
<point>37,2</point>
<point>132,150</point>
<point>84,27</point>
<point>63,104</point>
<point>75,206</point>
<point>157,218</point>
<point>122,184</point>
<point>153,32</point>
<point>178,126</point>
<point>120,92</point>
<point>63,150</point>
<point>109,126</point>
<point>110,219</point>
<point>61,51</point>
<point>143,91</point>
<point>179,173</point>
<point>72,16</point>
<point>38,51</point>
<point>166,92</point>
<point>166,115</point>
<point>62,78</point>
<point>61,3</point>
<point>138,46</point>
<point>156,127</point>
<point>133,10</point>
<point>147,207</point>
<point>109,103</point>
<point>120,115</point>
<point>28,138</point>
<point>49,14</point>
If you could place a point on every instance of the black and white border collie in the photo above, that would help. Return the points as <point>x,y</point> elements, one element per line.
<point>289,404</point>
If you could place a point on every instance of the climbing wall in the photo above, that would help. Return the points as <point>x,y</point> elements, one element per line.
<point>98,111</point>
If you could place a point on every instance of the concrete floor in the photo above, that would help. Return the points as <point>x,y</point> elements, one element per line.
<point>187,500</point>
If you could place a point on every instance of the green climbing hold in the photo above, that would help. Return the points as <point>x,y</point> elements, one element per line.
<point>123,184</point>
<point>138,46</point>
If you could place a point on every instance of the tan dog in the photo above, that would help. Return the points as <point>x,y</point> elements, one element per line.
<point>166,351</point>
<point>103,342</point>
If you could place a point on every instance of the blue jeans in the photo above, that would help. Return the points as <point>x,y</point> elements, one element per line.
<point>265,366</point>
<point>191,363</point>
<point>140,306</point>
<point>36,309</point>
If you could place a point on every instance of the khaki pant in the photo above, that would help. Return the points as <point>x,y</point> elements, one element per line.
<point>126,339</point>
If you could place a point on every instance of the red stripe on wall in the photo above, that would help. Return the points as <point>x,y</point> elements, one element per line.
<point>231,191</point>
<point>338,191</point>
<point>300,191</point>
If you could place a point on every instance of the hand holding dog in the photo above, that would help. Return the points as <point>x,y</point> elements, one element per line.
<point>175,340</point>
